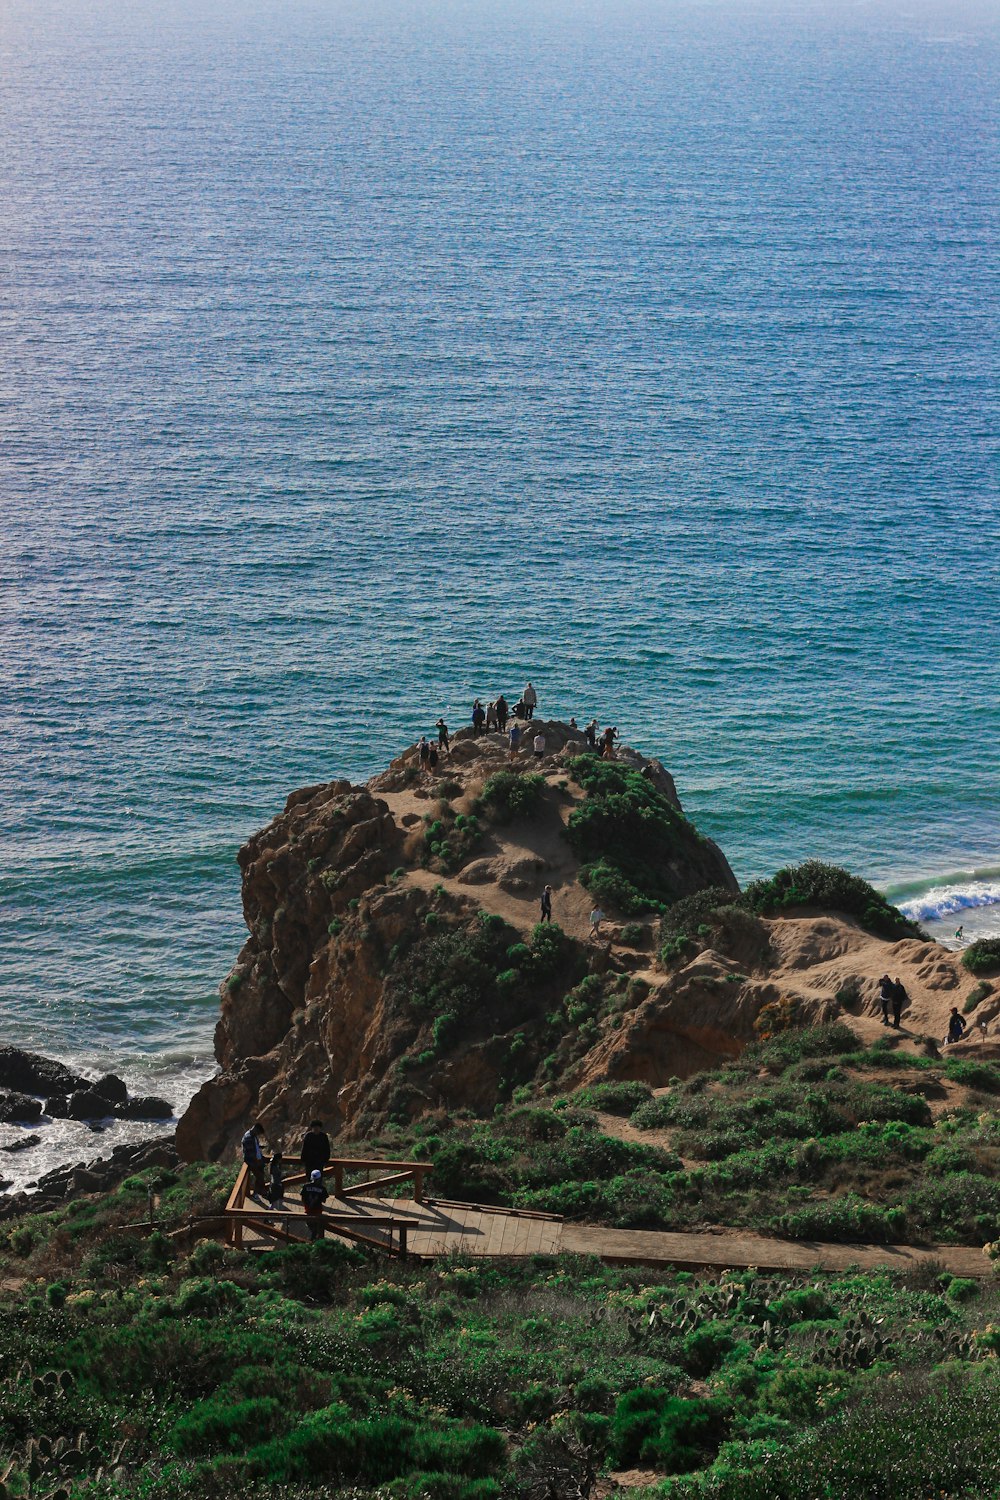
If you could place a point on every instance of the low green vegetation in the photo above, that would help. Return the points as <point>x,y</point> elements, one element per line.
<point>820,887</point>
<point>141,1368</point>
<point>508,795</point>
<point>982,956</point>
<point>628,835</point>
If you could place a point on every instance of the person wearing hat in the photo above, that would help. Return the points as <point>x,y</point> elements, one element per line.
<point>314,1195</point>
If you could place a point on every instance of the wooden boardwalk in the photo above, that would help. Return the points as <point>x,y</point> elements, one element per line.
<point>426,1228</point>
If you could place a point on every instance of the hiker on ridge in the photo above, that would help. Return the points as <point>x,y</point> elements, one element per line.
<point>899,999</point>
<point>885,993</point>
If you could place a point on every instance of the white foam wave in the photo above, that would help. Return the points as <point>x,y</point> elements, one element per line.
<point>943,901</point>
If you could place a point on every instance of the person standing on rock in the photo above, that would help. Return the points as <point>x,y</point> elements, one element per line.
<point>253,1155</point>
<point>899,999</point>
<point>538,746</point>
<point>546,904</point>
<point>514,740</point>
<point>432,760</point>
<point>503,713</point>
<point>478,716</point>
<point>423,750</point>
<point>885,990</point>
<point>315,1148</point>
<point>530,700</point>
<point>491,716</point>
<point>610,735</point>
<point>314,1195</point>
<point>596,918</point>
<point>591,734</point>
<point>444,744</point>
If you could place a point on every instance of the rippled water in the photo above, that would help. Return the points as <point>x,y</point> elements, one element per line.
<point>356,360</point>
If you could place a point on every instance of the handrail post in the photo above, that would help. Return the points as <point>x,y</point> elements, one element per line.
<point>338,1179</point>
<point>402,1241</point>
<point>418,1184</point>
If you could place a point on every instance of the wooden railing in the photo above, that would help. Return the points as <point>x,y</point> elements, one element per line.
<point>273,1222</point>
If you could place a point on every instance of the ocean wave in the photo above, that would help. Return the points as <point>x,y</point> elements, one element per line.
<point>941,901</point>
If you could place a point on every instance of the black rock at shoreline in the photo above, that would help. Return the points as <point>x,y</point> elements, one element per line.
<point>67,1095</point>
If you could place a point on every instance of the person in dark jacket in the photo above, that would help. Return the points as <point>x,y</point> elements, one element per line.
<point>885,988</point>
<point>899,999</point>
<point>546,904</point>
<point>315,1151</point>
<point>502,714</point>
<point>275,1180</point>
<point>314,1195</point>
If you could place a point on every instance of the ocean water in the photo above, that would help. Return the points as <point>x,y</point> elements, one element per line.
<point>357,359</point>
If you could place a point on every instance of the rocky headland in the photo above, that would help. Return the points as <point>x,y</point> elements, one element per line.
<point>395,964</point>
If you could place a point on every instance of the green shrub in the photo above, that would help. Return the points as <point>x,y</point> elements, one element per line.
<point>219,1426</point>
<point>974,1075</point>
<point>628,837</point>
<point>976,995</point>
<point>673,1434</point>
<point>613,1098</point>
<point>828,888</point>
<point>508,795</point>
<point>983,956</point>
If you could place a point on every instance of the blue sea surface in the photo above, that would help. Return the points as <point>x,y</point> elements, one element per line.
<point>360,358</point>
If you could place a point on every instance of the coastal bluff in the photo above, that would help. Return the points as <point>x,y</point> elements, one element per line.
<point>395,965</point>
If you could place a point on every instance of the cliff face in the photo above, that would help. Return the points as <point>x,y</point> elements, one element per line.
<point>394,965</point>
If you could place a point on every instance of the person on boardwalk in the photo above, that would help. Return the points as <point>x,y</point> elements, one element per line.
<point>530,700</point>
<point>503,714</point>
<point>591,734</point>
<point>546,904</point>
<point>444,744</point>
<point>314,1195</point>
<point>956,1026</point>
<point>315,1148</point>
<point>514,740</point>
<point>885,992</point>
<point>596,918</point>
<point>538,746</point>
<point>275,1180</point>
<point>478,716</point>
<point>610,735</point>
<point>253,1155</point>
<point>899,999</point>
<point>424,751</point>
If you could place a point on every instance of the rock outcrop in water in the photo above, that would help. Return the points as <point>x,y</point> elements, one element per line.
<point>394,966</point>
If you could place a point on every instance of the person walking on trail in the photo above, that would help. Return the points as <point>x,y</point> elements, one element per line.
<point>514,740</point>
<point>275,1179</point>
<point>538,746</point>
<point>596,918</point>
<point>478,716</point>
<point>314,1195</point>
<point>885,991</point>
<point>546,904</point>
<point>253,1155</point>
<point>315,1148</point>
<point>530,700</point>
<point>424,751</point>
<point>899,999</point>
<point>503,714</point>
<point>443,742</point>
<point>956,1026</point>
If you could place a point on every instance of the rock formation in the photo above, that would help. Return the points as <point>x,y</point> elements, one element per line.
<point>393,965</point>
